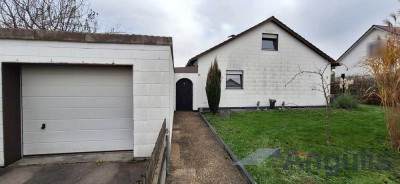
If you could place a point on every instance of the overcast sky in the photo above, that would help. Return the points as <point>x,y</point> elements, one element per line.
<point>196,25</point>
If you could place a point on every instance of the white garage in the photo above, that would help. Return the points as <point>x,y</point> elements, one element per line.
<point>63,92</point>
<point>76,109</point>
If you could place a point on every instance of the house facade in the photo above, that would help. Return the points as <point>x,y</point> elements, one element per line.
<point>77,92</point>
<point>258,64</point>
<point>67,92</point>
<point>364,47</point>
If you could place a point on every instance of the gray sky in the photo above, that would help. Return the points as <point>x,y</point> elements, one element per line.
<point>197,25</point>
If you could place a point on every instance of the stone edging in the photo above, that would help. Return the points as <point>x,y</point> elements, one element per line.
<point>249,179</point>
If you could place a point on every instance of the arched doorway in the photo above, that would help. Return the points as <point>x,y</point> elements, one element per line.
<point>184,95</point>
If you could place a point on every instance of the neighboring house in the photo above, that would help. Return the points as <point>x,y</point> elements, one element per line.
<point>75,92</point>
<point>256,65</point>
<point>366,46</point>
<point>231,83</point>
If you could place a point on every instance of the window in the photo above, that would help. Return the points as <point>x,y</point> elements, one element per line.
<point>374,49</point>
<point>234,79</point>
<point>269,41</point>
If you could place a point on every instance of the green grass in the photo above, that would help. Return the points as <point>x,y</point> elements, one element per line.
<point>304,131</point>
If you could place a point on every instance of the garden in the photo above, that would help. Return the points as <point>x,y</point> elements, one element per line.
<point>359,152</point>
<point>344,142</point>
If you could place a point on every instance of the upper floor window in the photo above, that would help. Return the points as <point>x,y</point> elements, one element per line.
<point>269,41</point>
<point>234,79</point>
<point>375,49</point>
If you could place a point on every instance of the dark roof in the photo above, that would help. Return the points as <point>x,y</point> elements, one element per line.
<point>395,30</point>
<point>188,69</point>
<point>383,28</point>
<point>46,35</point>
<point>281,25</point>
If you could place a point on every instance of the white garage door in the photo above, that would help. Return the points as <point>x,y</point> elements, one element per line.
<point>76,109</point>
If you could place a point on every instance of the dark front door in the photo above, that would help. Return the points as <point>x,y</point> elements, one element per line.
<point>184,95</point>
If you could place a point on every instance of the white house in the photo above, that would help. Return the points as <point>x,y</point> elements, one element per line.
<point>75,92</point>
<point>65,92</point>
<point>256,65</point>
<point>364,47</point>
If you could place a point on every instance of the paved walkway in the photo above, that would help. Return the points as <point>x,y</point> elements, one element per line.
<point>80,168</point>
<point>196,156</point>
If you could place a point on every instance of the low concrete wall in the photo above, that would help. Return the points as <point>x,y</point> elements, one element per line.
<point>157,170</point>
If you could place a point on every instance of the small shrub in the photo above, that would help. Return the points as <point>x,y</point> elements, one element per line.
<point>364,88</point>
<point>372,98</point>
<point>213,87</point>
<point>345,101</point>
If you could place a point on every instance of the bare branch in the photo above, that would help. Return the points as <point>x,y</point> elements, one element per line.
<point>325,89</point>
<point>10,14</point>
<point>61,15</point>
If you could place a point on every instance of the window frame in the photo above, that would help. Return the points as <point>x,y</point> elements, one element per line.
<point>274,41</point>
<point>241,79</point>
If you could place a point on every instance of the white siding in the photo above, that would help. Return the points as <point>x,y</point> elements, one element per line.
<point>352,61</point>
<point>194,78</point>
<point>1,121</point>
<point>171,100</point>
<point>265,73</point>
<point>152,70</point>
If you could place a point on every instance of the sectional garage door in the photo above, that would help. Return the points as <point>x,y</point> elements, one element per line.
<point>76,109</point>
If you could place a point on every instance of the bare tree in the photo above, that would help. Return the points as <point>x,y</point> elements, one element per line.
<point>325,88</point>
<point>59,15</point>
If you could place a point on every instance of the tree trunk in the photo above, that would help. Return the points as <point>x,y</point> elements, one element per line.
<point>328,130</point>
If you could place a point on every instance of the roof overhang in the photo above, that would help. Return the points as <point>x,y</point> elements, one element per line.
<point>188,69</point>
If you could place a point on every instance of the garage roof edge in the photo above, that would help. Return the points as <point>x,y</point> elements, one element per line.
<point>47,35</point>
<point>188,69</point>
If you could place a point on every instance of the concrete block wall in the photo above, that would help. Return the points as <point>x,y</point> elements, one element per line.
<point>265,73</point>
<point>194,78</point>
<point>152,78</point>
<point>352,61</point>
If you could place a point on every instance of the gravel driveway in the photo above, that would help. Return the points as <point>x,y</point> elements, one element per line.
<point>196,156</point>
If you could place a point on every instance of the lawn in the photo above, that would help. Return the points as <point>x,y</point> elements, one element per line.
<point>300,134</point>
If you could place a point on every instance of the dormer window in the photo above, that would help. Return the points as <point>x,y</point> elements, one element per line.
<point>269,42</point>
